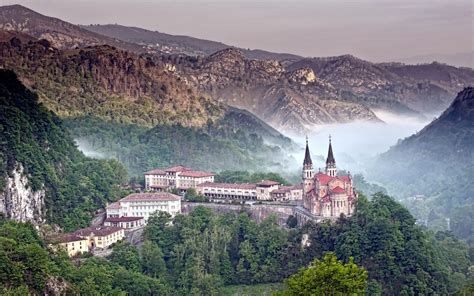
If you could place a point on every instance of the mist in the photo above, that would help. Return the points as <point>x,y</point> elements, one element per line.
<point>85,147</point>
<point>356,144</point>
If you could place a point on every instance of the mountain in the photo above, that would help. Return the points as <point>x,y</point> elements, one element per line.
<point>296,96</point>
<point>108,83</point>
<point>119,104</point>
<point>290,93</point>
<point>426,88</point>
<point>43,176</point>
<point>175,44</point>
<point>291,101</point>
<point>462,59</point>
<point>61,34</point>
<point>436,162</point>
<point>64,35</point>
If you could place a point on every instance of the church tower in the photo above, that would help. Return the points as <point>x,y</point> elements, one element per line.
<point>331,169</point>
<point>308,172</point>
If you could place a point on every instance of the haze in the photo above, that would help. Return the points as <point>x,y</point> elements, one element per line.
<point>377,30</point>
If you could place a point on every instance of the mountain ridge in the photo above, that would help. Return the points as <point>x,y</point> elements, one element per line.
<point>177,44</point>
<point>61,34</point>
<point>437,163</point>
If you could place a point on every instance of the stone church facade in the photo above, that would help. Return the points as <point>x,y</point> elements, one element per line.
<point>325,194</point>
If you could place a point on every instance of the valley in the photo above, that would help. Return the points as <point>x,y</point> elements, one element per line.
<point>137,162</point>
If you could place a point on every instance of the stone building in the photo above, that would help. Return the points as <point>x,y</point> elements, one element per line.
<point>178,177</point>
<point>288,193</point>
<point>144,205</point>
<point>325,194</point>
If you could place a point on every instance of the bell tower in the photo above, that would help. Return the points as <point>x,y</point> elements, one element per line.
<point>308,172</point>
<point>331,169</point>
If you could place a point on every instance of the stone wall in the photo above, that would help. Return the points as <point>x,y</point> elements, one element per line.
<point>258,212</point>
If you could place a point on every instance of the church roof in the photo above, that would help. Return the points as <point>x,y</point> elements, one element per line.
<point>307,156</point>
<point>338,190</point>
<point>325,179</point>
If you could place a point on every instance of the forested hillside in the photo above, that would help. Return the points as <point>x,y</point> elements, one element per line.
<point>437,162</point>
<point>105,82</point>
<point>43,176</point>
<point>214,147</point>
<point>202,253</point>
<point>127,107</point>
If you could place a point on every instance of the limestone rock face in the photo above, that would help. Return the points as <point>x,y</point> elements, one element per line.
<point>303,76</point>
<point>18,201</point>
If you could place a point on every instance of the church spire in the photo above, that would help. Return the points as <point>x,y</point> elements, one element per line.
<point>308,172</point>
<point>331,169</point>
<point>330,159</point>
<point>307,157</point>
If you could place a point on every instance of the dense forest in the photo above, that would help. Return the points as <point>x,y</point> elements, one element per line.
<point>215,147</point>
<point>202,253</point>
<point>437,162</point>
<point>34,142</point>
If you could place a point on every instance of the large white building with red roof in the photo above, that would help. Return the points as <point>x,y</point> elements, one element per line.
<point>177,177</point>
<point>325,194</point>
<point>143,205</point>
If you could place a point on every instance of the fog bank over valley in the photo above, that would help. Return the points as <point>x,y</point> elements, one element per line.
<point>356,144</point>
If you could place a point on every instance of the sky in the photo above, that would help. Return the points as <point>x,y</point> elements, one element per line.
<point>376,30</point>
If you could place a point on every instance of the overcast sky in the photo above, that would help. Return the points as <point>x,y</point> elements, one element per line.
<point>377,30</point>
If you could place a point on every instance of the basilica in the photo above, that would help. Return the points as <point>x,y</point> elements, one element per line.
<point>325,194</point>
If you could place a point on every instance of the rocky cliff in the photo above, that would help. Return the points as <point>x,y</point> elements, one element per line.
<point>293,101</point>
<point>18,201</point>
<point>391,86</point>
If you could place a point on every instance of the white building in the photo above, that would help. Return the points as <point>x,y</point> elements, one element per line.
<point>144,205</point>
<point>178,177</point>
<point>243,191</point>
<point>249,191</point>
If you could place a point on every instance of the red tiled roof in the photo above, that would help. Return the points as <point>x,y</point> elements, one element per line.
<point>160,196</point>
<point>122,219</point>
<point>323,178</point>
<point>298,186</point>
<point>245,186</point>
<point>196,174</point>
<point>66,238</point>
<point>344,178</point>
<point>178,168</point>
<point>113,206</point>
<point>97,231</point>
<point>338,190</point>
<point>156,172</point>
<point>267,183</point>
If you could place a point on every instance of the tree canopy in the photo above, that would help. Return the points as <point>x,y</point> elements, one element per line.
<point>328,277</point>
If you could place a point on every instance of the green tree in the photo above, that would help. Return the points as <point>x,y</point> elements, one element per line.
<point>151,258</point>
<point>126,255</point>
<point>328,277</point>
